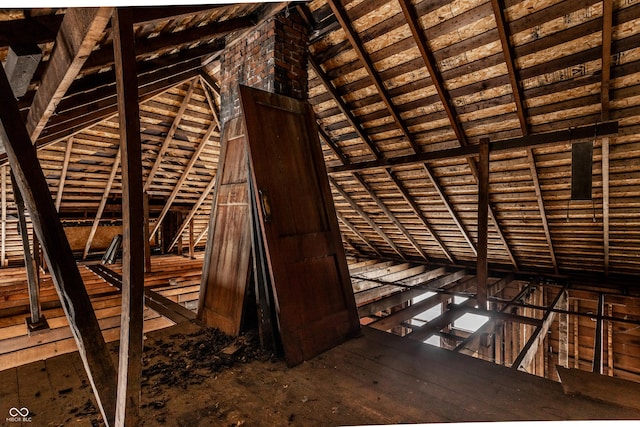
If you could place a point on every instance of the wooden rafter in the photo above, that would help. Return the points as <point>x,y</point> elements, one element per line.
<point>518,98</point>
<point>170,134</point>
<point>356,44</point>
<point>57,251</point>
<point>482,266</point>
<point>376,153</point>
<point>391,216</point>
<point>63,173</point>
<point>208,84</point>
<point>420,38</point>
<point>132,319</point>
<point>192,212</point>
<point>80,30</point>
<point>355,231</point>
<point>366,217</point>
<point>187,170</point>
<point>436,78</point>
<point>103,202</point>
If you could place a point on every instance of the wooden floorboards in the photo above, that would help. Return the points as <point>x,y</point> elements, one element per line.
<point>374,379</point>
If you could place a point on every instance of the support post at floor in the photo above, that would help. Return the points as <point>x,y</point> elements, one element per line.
<point>33,284</point>
<point>482,269</point>
<point>598,364</point>
<point>31,183</point>
<point>130,360</point>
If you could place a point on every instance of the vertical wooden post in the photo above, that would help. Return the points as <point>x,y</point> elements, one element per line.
<point>66,277</point>
<point>130,362</point>
<point>3,225</point>
<point>610,342</point>
<point>63,174</point>
<point>29,264</point>
<point>192,254</point>
<point>576,337</point>
<point>147,242</point>
<point>598,365</point>
<point>563,334</point>
<point>482,269</point>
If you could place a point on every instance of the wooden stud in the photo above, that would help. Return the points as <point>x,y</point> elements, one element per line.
<point>607,33</point>
<point>610,350</point>
<point>606,197</point>
<point>33,284</point>
<point>598,365</point>
<point>192,254</point>
<point>103,202</point>
<point>482,269</point>
<point>130,358</point>
<point>563,334</point>
<point>147,236</point>
<point>63,173</point>
<point>80,30</point>
<point>65,274</point>
<point>169,138</point>
<point>576,336</point>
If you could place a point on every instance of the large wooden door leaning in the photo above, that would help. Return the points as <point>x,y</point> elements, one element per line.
<point>314,300</point>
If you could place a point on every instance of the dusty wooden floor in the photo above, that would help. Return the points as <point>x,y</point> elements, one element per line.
<point>375,379</point>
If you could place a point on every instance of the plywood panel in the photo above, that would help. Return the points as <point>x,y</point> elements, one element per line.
<point>314,300</point>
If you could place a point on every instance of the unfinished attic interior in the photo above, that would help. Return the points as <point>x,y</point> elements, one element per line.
<point>333,212</point>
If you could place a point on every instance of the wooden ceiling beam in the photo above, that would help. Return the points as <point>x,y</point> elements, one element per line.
<point>103,203</point>
<point>183,177</point>
<point>80,31</point>
<point>355,231</point>
<point>63,173</point>
<point>175,40</point>
<point>518,98</point>
<point>576,134</point>
<point>376,153</point>
<point>430,62</point>
<point>192,212</point>
<point>366,217</point>
<point>170,134</point>
<point>391,216</point>
<point>343,19</point>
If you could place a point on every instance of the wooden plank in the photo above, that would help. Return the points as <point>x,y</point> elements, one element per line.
<point>603,388</point>
<point>103,202</point>
<point>563,334</point>
<point>299,226</point>
<point>131,325</point>
<point>169,137</point>
<point>482,266</point>
<point>63,173</point>
<point>80,30</point>
<point>606,198</point>
<point>355,231</point>
<point>572,135</point>
<point>66,277</point>
<point>147,243</point>
<point>227,266</point>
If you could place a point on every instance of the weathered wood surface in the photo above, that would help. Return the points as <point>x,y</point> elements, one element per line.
<point>227,266</point>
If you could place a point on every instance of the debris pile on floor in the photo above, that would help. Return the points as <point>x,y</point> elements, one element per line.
<point>189,358</point>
